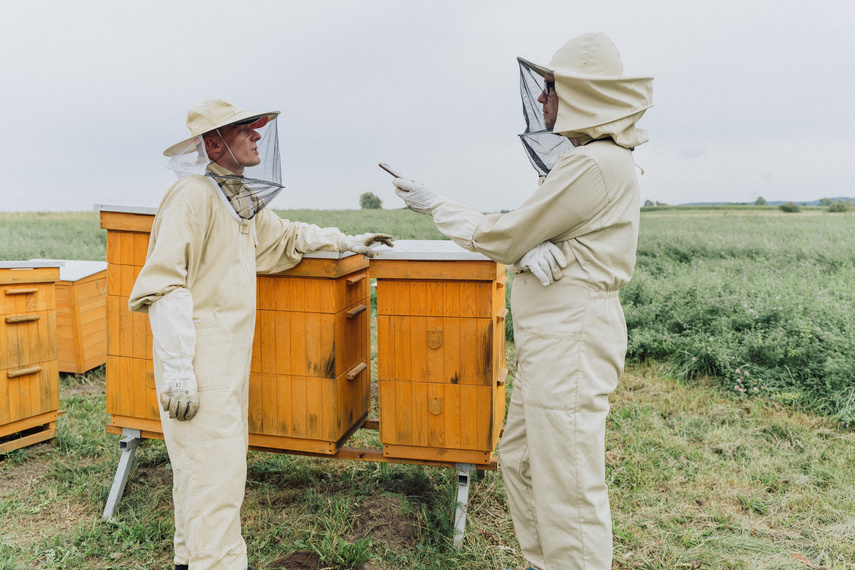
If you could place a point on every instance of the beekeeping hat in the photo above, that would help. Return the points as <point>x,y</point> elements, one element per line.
<point>211,115</point>
<point>250,192</point>
<point>595,99</point>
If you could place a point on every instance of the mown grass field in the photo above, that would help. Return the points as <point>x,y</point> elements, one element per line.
<point>701,475</point>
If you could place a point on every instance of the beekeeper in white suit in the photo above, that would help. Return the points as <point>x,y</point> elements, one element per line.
<point>210,237</point>
<point>574,239</point>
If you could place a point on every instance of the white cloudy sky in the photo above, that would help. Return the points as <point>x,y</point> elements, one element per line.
<point>751,98</point>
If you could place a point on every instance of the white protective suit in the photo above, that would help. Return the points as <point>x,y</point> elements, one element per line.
<point>570,335</point>
<point>200,246</point>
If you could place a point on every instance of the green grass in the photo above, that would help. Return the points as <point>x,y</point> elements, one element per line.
<point>699,476</point>
<point>770,296</point>
<point>694,475</point>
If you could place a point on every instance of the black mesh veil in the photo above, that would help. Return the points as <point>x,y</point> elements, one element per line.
<point>259,185</point>
<point>543,147</point>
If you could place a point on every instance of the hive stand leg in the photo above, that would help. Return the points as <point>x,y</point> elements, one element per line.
<point>128,445</point>
<point>463,476</point>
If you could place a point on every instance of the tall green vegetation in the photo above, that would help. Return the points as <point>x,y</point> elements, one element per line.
<point>763,302</point>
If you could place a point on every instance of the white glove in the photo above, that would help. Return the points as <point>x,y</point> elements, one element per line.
<point>545,261</point>
<point>179,395</point>
<point>417,197</point>
<point>174,342</point>
<point>361,243</point>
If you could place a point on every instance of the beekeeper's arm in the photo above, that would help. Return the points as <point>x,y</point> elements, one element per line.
<point>174,342</point>
<point>160,290</point>
<point>281,243</point>
<point>566,202</point>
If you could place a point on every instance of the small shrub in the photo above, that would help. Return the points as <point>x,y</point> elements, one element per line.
<point>790,208</point>
<point>839,206</point>
<point>370,201</point>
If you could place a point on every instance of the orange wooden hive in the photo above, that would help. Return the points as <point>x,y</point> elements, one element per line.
<point>309,380</point>
<point>29,378</point>
<point>441,351</point>
<point>81,314</point>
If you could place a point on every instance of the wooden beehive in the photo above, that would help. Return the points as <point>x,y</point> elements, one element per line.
<point>81,314</point>
<point>309,380</point>
<point>441,351</point>
<point>29,378</point>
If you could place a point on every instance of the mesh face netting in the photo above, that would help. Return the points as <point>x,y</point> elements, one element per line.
<point>543,147</point>
<point>250,193</point>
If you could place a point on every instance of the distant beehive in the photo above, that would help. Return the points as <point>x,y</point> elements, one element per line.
<point>309,381</point>
<point>29,378</point>
<point>441,351</point>
<point>81,315</point>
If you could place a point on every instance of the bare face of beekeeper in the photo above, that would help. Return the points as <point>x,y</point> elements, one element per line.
<point>549,99</point>
<point>234,147</point>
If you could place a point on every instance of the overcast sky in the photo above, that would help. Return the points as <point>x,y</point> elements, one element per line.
<point>750,98</point>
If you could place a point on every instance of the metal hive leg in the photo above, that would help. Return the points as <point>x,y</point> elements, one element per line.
<point>128,445</point>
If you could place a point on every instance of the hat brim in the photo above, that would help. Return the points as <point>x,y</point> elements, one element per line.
<point>254,120</point>
<point>539,69</point>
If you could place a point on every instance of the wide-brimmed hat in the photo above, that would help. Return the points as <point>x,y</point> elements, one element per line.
<point>214,114</point>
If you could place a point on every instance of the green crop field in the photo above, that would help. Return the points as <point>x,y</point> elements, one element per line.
<point>704,471</point>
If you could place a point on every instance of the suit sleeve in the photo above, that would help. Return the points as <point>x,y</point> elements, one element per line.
<point>567,203</point>
<point>281,243</point>
<point>174,253</point>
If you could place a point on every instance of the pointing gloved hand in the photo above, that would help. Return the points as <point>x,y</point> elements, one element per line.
<point>361,243</point>
<point>545,261</point>
<point>417,197</point>
<point>180,395</point>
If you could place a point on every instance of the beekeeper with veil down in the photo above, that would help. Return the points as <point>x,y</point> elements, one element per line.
<point>211,235</point>
<point>574,241</point>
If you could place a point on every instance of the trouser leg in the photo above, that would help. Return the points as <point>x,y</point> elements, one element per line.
<point>209,470</point>
<point>568,378</point>
<point>516,473</point>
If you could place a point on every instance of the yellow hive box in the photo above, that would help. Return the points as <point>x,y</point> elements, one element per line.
<point>29,378</point>
<point>441,351</point>
<point>81,314</point>
<point>310,373</point>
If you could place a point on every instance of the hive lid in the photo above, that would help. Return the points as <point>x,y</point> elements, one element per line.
<point>125,209</point>
<point>75,269</point>
<point>427,250</point>
<point>31,264</point>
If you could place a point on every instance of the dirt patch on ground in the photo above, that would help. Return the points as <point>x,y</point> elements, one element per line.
<point>22,476</point>
<point>384,519</point>
<point>44,521</point>
<point>298,561</point>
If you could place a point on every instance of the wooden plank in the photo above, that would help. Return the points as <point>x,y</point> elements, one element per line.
<point>299,404</point>
<point>437,454</point>
<point>434,270</point>
<point>29,276</point>
<point>377,456</point>
<point>28,423</point>
<point>126,222</point>
<point>329,268</point>
<point>32,439</point>
<point>256,402</point>
<point>140,249</point>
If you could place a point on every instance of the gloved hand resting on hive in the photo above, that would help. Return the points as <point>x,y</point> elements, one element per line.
<point>361,243</point>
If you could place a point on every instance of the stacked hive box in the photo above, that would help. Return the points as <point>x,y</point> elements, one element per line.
<point>29,378</point>
<point>309,381</point>
<point>441,351</point>
<point>81,315</point>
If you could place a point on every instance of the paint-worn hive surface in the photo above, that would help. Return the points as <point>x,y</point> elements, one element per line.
<point>81,315</point>
<point>309,380</point>
<point>441,351</point>
<point>29,377</point>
